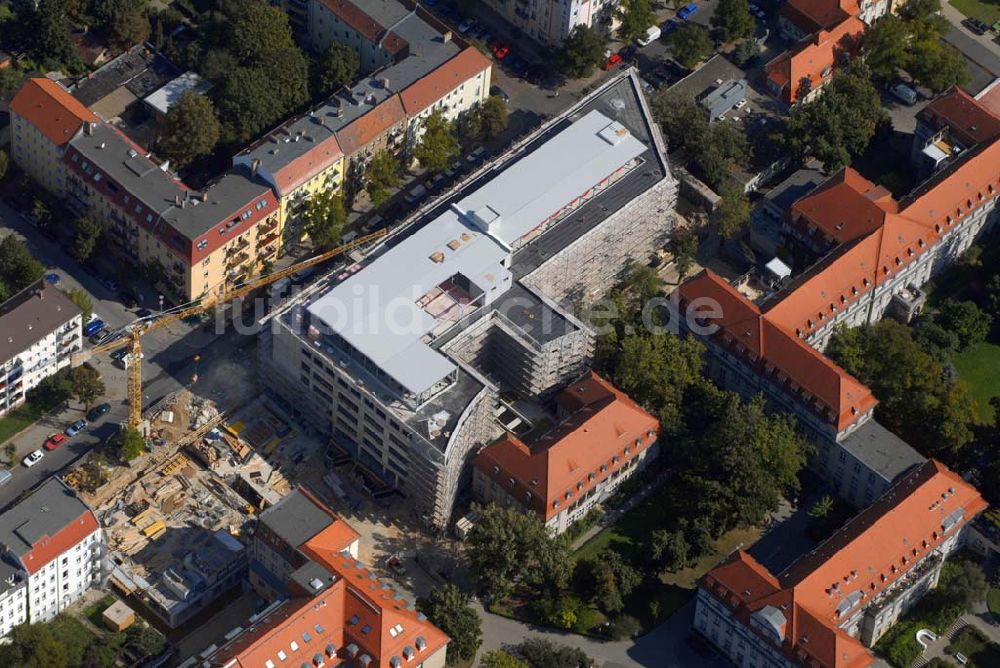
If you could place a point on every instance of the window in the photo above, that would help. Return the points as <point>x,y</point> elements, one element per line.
<point>202,245</point>
<point>247,214</point>
<point>261,204</point>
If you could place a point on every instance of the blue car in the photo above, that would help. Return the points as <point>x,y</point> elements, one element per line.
<point>76,428</point>
<point>53,278</point>
<point>687,11</point>
<point>669,26</point>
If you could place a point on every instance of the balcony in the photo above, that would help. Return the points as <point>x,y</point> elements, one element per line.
<point>267,240</point>
<point>910,578</point>
<point>236,260</point>
<point>268,225</point>
<point>238,246</point>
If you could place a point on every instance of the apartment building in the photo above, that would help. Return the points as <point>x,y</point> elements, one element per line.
<point>799,74</point>
<point>874,253</point>
<point>799,19</point>
<point>55,542</point>
<point>40,328</point>
<point>13,597</point>
<point>600,438</point>
<point>402,361</point>
<point>198,242</point>
<point>331,609</point>
<point>550,22</point>
<point>834,603</point>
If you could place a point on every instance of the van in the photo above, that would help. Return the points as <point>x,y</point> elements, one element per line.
<point>904,93</point>
<point>652,34</point>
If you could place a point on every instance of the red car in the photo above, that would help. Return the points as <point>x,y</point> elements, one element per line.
<point>612,63</point>
<point>499,49</point>
<point>54,441</point>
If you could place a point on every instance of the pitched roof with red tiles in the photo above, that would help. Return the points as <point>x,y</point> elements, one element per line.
<point>49,107</point>
<point>428,89</point>
<point>772,350</point>
<point>814,15</point>
<point>366,128</point>
<point>813,60</point>
<point>989,97</point>
<point>604,430</point>
<point>970,120</point>
<point>819,592</point>
<point>836,210</point>
<point>373,31</point>
<point>306,166</point>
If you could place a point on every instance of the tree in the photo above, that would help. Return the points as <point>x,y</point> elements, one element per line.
<point>966,320</point>
<point>247,104</point>
<point>438,145</point>
<point>450,609</point>
<point>821,509</point>
<point>732,20</point>
<point>381,174</point>
<point>325,217</point>
<point>190,130</point>
<point>941,343</point>
<point>937,66</point>
<point>839,124</point>
<point>45,35</point>
<point>669,550</point>
<point>86,232</point>
<point>507,548</point>
<point>962,583</point>
<point>690,44</point>
<point>486,121</point>
<point>582,51</point>
<point>131,444</point>
<point>500,659</point>
<point>733,212</point>
<point>684,247</point>
<point>635,17</point>
<point>746,50</point>
<point>18,269</point>
<point>129,27</point>
<point>5,163</point>
<point>87,385</point>
<point>335,68</point>
<point>539,653</point>
<point>614,580</point>
<point>886,47</point>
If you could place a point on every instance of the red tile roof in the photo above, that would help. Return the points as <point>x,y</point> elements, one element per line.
<point>367,128</point>
<point>308,165</point>
<point>49,548</point>
<point>773,350</point>
<point>970,120</point>
<point>373,31</point>
<point>989,97</point>
<point>809,61</point>
<point>604,423</point>
<point>428,89</point>
<point>814,15</point>
<point>49,107</point>
<point>836,211</point>
<point>867,556</point>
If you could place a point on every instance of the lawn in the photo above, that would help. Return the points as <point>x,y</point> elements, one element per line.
<point>993,602</point>
<point>976,9</point>
<point>978,367</point>
<point>18,420</point>
<point>94,611</point>
<point>976,647</point>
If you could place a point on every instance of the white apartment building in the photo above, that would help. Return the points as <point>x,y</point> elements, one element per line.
<point>40,328</point>
<point>56,543</point>
<point>551,21</point>
<point>13,598</point>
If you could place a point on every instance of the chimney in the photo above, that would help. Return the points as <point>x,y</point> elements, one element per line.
<point>88,128</point>
<point>446,36</point>
<point>203,196</point>
<point>254,166</point>
<point>385,83</point>
<point>177,200</point>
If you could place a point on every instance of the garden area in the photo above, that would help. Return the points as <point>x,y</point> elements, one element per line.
<point>50,393</point>
<point>961,585</point>
<point>971,643</point>
<point>984,10</point>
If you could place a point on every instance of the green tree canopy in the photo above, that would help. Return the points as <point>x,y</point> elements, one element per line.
<point>486,121</point>
<point>381,174</point>
<point>18,269</point>
<point>507,548</point>
<point>335,68</point>
<point>86,233</point>
<point>733,212</point>
<point>438,145</point>
<point>690,44</point>
<point>669,550</point>
<point>582,51</point>
<point>87,385</point>
<point>131,444</point>
<point>886,47</point>
<point>500,659</point>
<point>190,130</point>
<point>635,17</point>
<point>937,65</point>
<point>325,218</point>
<point>732,20</point>
<point>129,27</point>
<point>838,125</point>
<point>450,609</point>
<point>540,653</point>
<point>966,321</point>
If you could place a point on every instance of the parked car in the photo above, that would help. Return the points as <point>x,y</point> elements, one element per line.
<point>54,441</point>
<point>33,458</point>
<point>76,428</point>
<point>105,336</point>
<point>652,34</point>
<point>612,62</point>
<point>500,93</point>
<point>501,51</point>
<point>110,284</point>
<point>904,93</point>
<point>5,477</point>
<point>668,27</point>
<point>143,313</point>
<point>976,26</point>
<point>97,411</point>
<point>53,278</point>
<point>687,11</point>
<point>466,25</point>
<point>93,327</point>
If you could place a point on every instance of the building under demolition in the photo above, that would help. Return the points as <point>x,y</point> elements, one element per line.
<point>403,361</point>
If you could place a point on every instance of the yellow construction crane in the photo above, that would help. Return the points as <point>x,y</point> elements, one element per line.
<point>143,326</point>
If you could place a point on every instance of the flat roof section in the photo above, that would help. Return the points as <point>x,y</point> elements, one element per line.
<point>882,450</point>
<point>552,177</point>
<point>296,519</point>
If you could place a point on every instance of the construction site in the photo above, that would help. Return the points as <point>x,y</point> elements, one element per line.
<point>175,518</point>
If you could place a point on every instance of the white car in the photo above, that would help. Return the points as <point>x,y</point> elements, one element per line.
<point>33,458</point>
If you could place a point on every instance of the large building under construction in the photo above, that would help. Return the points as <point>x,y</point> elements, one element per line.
<point>403,361</point>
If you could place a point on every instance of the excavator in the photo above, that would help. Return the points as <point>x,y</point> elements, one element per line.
<point>139,328</point>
